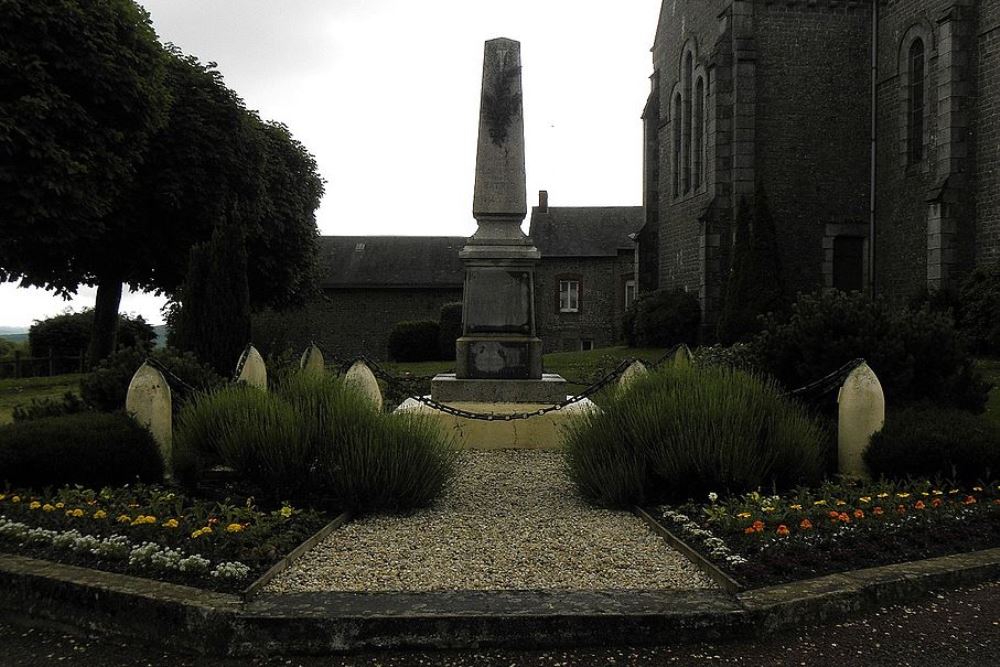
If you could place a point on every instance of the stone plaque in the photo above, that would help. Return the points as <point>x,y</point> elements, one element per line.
<point>498,301</point>
<point>497,360</point>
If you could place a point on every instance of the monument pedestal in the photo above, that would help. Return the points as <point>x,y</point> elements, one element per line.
<point>549,390</point>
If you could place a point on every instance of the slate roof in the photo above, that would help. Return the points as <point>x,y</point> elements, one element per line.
<point>584,231</point>
<point>391,261</point>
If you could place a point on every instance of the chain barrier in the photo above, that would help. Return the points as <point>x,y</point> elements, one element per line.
<point>170,376</point>
<point>241,363</point>
<point>827,383</point>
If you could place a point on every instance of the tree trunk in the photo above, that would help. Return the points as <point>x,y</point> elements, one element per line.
<point>102,338</point>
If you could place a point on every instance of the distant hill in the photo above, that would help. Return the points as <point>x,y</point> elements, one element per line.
<point>14,337</point>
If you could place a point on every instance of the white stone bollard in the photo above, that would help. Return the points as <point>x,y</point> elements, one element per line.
<point>254,372</point>
<point>861,414</point>
<point>312,361</point>
<point>637,369</point>
<point>149,403</point>
<point>682,357</point>
<point>362,377</point>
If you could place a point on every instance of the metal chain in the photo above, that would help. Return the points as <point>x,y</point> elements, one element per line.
<point>242,362</point>
<point>169,374</point>
<point>828,382</point>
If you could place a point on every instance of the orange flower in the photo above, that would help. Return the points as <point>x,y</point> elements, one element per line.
<point>901,509</point>
<point>877,511</point>
<point>936,502</point>
<point>859,514</point>
<point>833,514</point>
<point>749,530</point>
<point>782,530</point>
<point>806,524</point>
<point>758,526</point>
<point>969,500</point>
<point>919,505</point>
<point>843,518</point>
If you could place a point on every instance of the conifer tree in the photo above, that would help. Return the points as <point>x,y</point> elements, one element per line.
<point>755,285</point>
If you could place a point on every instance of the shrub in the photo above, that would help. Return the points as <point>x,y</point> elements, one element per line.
<point>755,287</point>
<point>414,341</point>
<point>91,449</point>
<point>917,354</point>
<point>106,387</point>
<point>316,439</point>
<point>69,333</point>
<point>930,442</point>
<point>738,355</point>
<point>684,432</point>
<point>977,310</point>
<point>450,329</point>
<point>69,404</point>
<point>667,317</point>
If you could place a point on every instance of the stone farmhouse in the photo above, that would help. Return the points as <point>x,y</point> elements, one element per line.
<point>778,94</point>
<point>582,284</point>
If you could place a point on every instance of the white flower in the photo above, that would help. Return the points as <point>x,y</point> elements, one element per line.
<point>231,570</point>
<point>713,496</point>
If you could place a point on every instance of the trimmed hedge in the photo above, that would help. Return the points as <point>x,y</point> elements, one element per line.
<point>927,441</point>
<point>91,449</point>
<point>664,318</point>
<point>681,433</point>
<point>414,341</point>
<point>450,329</point>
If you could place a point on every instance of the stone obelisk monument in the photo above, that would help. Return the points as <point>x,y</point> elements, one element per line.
<point>499,356</point>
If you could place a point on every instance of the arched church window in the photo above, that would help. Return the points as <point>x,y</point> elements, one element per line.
<point>699,133</point>
<point>915,103</point>
<point>675,119</point>
<point>687,152</point>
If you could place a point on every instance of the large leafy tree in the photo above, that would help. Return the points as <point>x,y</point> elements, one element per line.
<point>82,92</point>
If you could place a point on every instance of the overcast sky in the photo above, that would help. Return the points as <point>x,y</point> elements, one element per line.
<point>385,94</point>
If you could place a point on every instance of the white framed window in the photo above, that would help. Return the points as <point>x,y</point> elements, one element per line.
<point>569,296</point>
<point>629,292</point>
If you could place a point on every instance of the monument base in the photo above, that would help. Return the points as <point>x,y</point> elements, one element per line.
<point>550,389</point>
<point>539,432</point>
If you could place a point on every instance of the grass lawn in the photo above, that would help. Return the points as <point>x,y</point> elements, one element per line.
<point>14,392</point>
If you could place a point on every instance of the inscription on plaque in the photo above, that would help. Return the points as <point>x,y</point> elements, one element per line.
<point>498,301</point>
<point>499,361</point>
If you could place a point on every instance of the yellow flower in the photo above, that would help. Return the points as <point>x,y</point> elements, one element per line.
<point>124,518</point>
<point>143,520</point>
<point>937,492</point>
<point>865,499</point>
<point>59,506</point>
<point>201,531</point>
<point>977,488</point>
<point>744,515</point>
<point>3,496</point>
<point>883,495</point>
<point>952,492</point>
<point>48,508</point>
<point>234,528</point>
<point>902,495</point>
<point>100,514</point>
<point>34,505</point>
<point>841,502</point>
<point>820,502</point>
<point>75,513</point>
<point>767,509</point>
<point>15,499</point>
<point>924,493</point>
<point>170,523</point>
<point>286,511</point>
<point>795,507</point>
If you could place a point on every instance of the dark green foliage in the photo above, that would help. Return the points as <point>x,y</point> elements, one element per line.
<point>628,323</point>
<point>666,317</point>
<point>415,341</point>
<point>91,449</point>
<point>214,321</point>
<point>740,356</point>
<point>69,404</point>
<point>929,442</point>
<point>681,433</point>
<point>450,329</point>
<point>755,286</point>
<point>317,440</point>
<point>67,334</point>
<point>977,310</point>
<point>916,354</point>
<point>105,387</point>
<point>82,90</point>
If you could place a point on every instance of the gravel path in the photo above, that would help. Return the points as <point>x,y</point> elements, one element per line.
<point>512,521</point>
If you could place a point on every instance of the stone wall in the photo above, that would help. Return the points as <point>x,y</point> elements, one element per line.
<point>348,322</point>
<point>987,133</point>
<point>602,301</point>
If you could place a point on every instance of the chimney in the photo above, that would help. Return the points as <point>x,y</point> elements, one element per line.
<point>543,201</point>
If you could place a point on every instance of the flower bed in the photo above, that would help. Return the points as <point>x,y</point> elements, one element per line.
<point>153,532</point>
<point>762,540</point>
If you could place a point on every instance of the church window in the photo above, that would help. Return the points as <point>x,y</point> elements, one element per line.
<point>848,263</point>
<point>687,129</point>
<point>699,132</point>
<point>676,120</point>
<point>915,103</point>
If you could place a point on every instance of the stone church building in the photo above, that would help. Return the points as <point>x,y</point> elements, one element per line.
<point>778,94</point>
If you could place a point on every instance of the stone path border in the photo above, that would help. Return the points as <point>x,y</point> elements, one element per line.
<point>296,553</point>
<point>67,596</point>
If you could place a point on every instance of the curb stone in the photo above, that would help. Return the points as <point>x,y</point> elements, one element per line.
<point>214,623</point>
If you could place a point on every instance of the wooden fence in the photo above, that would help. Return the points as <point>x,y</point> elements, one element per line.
<point>54,364</point>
